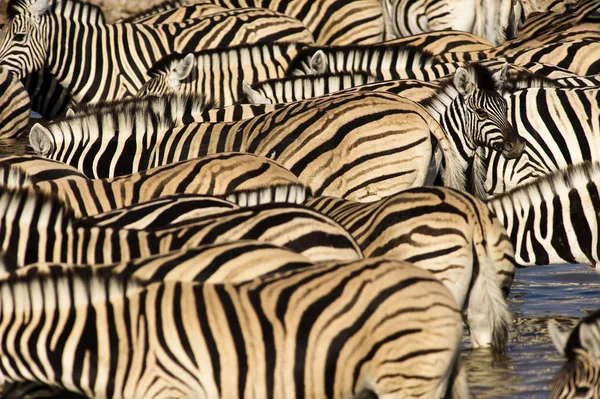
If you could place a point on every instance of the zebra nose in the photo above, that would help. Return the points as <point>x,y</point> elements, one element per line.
<point>512,149</point>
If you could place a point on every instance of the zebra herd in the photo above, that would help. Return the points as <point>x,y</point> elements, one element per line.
<point>303,199</point>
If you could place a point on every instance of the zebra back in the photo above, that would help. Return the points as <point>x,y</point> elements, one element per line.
<point>37,228</point>
<point>381,317</point>
<point>446,41</point>
<point>554,219</point>
<point>433,228</point>
<point>174,11</point>
<point>580,374</point>
<point>388,61</point>
<point>394,132</point>
<point>219,74</point>
<point>15,105</point>
<point>303,87</point>
<point>231,262</point>
<point>244,179</point>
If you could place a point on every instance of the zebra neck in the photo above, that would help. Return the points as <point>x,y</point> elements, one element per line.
<point>104,66</point>
<point>445,106</point>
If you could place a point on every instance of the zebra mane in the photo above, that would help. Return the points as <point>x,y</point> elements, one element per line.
<point>423,57</point>
<point>166,63</point>
<point>76,10</point>
<point>446,91</point>
<point>28,197</point>
<point>31,285</point>
<point>523,80</point>
<point>283,193</point>
<point>167,109</point>
<point>14,177</point>
<point>572,177</point>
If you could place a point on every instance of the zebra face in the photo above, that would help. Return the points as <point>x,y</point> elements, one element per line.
<point>488,122</point>
<point>579,378</point>
<point>22,44</point>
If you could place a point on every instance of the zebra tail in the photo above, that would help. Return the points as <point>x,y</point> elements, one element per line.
<point>454,172</point>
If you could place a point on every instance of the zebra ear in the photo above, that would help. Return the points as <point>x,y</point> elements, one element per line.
<point>318,62</point>
<point>70,113</point>
<point>559,338</point>
<point>590,341</point>
<point>182,70</point>
<point>253,96</point>
<point>39,8</point>
<point>39,139</point>
<point>500,76</point>
<point>463,81</point>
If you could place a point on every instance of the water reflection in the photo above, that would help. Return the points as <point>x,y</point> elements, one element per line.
<point>564,293</point>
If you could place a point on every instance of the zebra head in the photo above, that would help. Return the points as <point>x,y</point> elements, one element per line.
<point>168,74</point>
<point>23,40</point>
<point>482,111</point>
<point>579,378</point>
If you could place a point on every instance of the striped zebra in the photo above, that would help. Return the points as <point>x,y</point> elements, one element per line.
<point>232,262</point>
<point>299,88</point>
<point>219,74</point>
<point>447,232</point>
<point>361,329</point>
<point>560,128</point>
<point>554,219</point>
<point>579,377</point>
<point>37,228</point>
<point>32,36</point>
<point>331,22</point>
<point>15,105</point>
<point>245,179</point>
<point>491,20</point>
<point>385,60</point>
<point>447,41</point>
<point>368,146</point>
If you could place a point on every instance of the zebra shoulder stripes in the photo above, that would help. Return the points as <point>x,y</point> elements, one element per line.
<point>447,232</point>
<point>580,375</point>
<point>368,145</point>
<point>400,331</point>
<point>15,105</point>
<point>246,179</point>
<point>218,74</point>
<point>554,219</point>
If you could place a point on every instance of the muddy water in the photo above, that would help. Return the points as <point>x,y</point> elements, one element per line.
<point>563,292</point>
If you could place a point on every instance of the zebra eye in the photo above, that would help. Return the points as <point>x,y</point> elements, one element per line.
<point>482,113</point>
<point>19,37</point>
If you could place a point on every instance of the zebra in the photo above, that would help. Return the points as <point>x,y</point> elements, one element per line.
<point>446,41</point>
<point>332,162</point>
<point>580,375</point>
<point>233,262</point>
<point>450,233</point>
<point>367,328</point>
<point>387,61</point>
<point>559,126</point>
<point>361,21</point>
<point>489,20</point>
<point>218,74</point>
<point>15,105</point>
<point>245,179</point>
<point>554,219</point>
<point>298,88</point>
<point>37,228</point>
<point>29,41</point>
